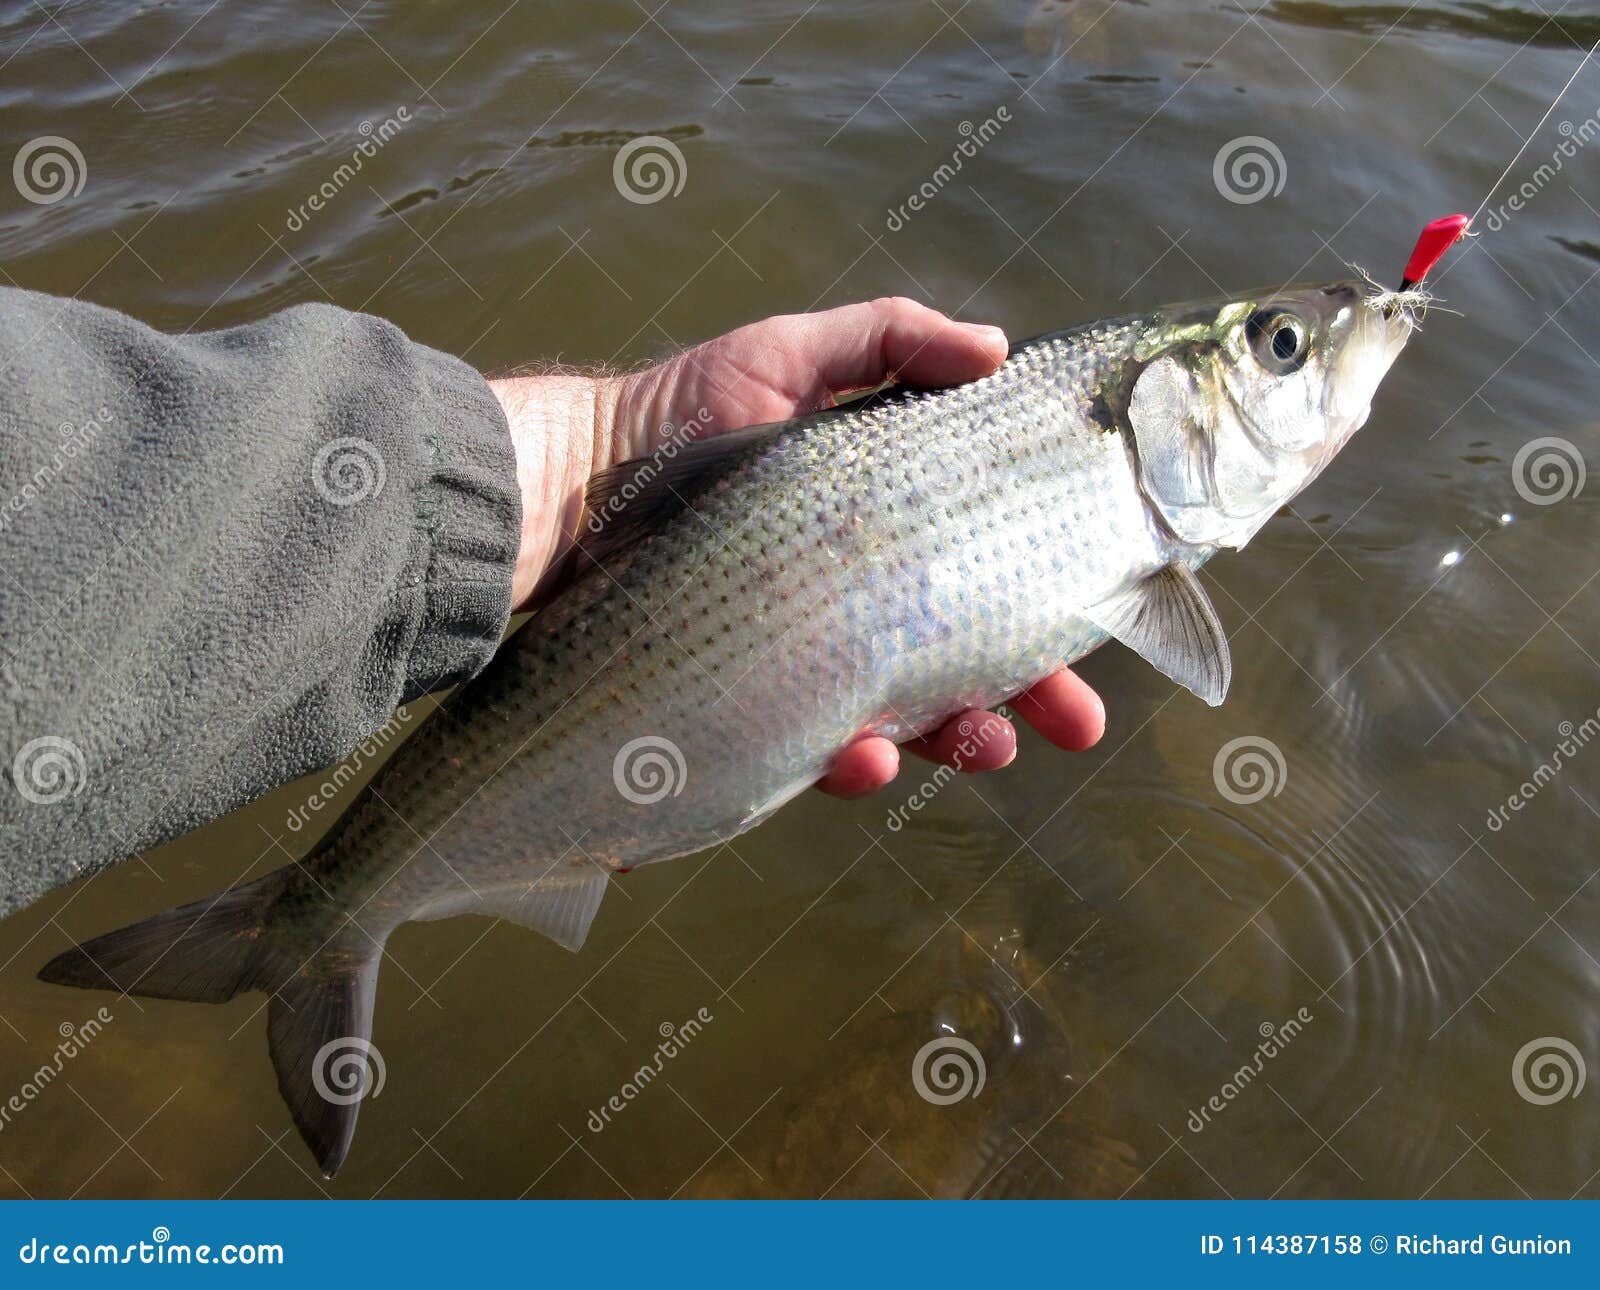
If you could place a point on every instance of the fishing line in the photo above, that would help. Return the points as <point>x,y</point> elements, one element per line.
<point>1440,235</point>
<point>1548,113</point>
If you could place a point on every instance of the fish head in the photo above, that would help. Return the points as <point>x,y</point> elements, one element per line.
<point>1239,404</point>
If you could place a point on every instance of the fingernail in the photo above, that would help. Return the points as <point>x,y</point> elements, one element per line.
<point>987,334</point>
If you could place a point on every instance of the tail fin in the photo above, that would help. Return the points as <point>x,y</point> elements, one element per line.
<point>319,1021</point>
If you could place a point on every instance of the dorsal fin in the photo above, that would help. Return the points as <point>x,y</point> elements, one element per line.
<point>631,500</point>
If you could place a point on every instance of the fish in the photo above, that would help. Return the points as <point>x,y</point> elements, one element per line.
<point>751,602</point>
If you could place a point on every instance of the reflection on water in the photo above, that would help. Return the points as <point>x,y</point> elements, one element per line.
<point>1309,967</point>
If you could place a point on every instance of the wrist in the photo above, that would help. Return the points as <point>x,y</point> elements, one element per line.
<point>561,428</point>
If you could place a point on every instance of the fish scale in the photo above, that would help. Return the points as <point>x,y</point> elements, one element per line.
<point>757,601</point>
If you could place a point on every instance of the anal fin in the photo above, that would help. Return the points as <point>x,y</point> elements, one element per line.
<point>561,906</point>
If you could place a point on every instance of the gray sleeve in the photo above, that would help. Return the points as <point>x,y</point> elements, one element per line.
<point>224,559</point>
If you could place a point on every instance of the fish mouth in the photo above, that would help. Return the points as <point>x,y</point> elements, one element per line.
<point>1380,325</point>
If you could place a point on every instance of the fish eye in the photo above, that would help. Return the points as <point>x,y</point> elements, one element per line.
<point>1279,339</point>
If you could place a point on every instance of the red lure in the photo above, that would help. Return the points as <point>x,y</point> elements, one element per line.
<point>1437,238</point>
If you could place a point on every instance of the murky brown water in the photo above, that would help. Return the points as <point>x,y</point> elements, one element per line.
<point>1111,933</point>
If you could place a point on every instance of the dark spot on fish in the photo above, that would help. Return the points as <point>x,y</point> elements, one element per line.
<point>757,80</point>
<point>1481,459</point>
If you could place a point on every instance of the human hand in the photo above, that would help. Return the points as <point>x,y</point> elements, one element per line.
<point>566,428</point>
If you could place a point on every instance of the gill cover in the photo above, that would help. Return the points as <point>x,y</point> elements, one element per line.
<point>1202,463</point>
<point>1240,406</point>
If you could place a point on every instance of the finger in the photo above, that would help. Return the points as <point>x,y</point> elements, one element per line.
<point>861,768</point>
<point>974,740</point>
<point>1063,709</point>
<point>856,347</point>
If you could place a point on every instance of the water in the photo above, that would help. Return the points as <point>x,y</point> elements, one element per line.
<point>1112,935</point>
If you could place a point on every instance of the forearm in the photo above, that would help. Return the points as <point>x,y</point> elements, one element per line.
<point>260,542</point>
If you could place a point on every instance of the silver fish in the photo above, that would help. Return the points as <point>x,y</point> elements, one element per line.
<point>756,600</point>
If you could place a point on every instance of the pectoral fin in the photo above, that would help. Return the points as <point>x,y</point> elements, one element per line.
<point>1170,623</point>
